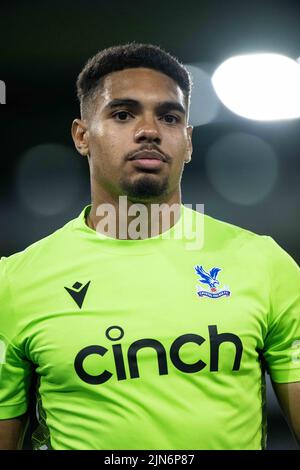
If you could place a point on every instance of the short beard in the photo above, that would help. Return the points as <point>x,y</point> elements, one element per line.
<point>144,189</point>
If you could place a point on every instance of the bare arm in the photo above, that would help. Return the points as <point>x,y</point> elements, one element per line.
<point>288,396</point>
<point>12,432</point>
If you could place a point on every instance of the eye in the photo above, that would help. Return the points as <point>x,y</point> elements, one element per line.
<point>170,118</point>
<point>122,115</point>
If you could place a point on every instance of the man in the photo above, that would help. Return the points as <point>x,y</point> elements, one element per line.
<point>128,326</point>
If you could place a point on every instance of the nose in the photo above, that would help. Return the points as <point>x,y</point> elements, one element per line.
<point>147,131</point>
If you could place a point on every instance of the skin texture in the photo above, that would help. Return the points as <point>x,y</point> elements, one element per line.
<point>288,396</point>
<point>12,433</point>
<point>108,136</point>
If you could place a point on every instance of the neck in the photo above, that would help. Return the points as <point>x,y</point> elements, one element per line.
<point>118,217</point>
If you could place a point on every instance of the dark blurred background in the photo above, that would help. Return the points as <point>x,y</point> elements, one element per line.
<point>245,172</point>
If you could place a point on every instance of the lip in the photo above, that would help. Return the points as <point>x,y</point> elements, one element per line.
<point>148,155</point>
<point>147,159</point>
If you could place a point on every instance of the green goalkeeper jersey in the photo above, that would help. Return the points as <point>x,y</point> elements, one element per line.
<point>159,343</point>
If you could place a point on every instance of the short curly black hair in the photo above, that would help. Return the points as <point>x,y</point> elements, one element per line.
<point>126,56</point>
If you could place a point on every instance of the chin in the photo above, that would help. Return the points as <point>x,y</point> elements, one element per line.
<point>145,189</point>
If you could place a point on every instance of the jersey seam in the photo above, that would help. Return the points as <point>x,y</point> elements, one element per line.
<point>14,404</point>
<point>276,319</point>
<point>284,370</point>
<point>270,309</point>
<point>11,305</point>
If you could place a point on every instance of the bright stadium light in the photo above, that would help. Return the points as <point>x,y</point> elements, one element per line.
<point>263,87</point>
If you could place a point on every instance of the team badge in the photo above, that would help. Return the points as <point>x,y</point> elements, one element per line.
<point>211,282</point>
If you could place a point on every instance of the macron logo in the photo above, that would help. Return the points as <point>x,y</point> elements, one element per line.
<point>78,292</point>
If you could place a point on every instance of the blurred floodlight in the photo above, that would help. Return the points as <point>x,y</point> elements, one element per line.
<point>263,87</point>
<point>49,178</point>
<point>204,105</point>
<point>242,168</point>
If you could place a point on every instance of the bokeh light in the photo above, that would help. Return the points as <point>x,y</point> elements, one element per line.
<point>49,178</point>
<point>242,168</point>
<point>259,86</point>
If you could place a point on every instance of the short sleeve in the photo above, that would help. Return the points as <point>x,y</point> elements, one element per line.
<point>282,342</point>
<point>15,369</point>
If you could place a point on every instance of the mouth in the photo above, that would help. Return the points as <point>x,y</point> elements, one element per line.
<point>148,160</point>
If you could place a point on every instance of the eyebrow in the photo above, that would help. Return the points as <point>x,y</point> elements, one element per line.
<point>161,107</point>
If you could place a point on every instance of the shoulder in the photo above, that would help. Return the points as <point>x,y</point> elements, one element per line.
<point>229,235</point>
<point>38,253</point>
<point>261,248</point>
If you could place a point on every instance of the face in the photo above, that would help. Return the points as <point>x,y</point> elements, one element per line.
<point>137,136</point>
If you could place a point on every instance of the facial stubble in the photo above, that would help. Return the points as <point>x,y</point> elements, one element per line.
<point>145,188</point>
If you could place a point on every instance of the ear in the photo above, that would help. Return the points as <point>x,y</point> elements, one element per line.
<point>188,158</point>
<point>80,135</point>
